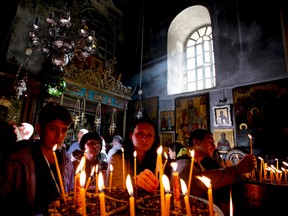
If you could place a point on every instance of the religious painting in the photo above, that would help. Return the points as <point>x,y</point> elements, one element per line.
<point>222,116</point>
<point>224,139</point>
<point>261,111</point>
<point>167,121</point>
<point>190,113</point>
<point>167,138</point>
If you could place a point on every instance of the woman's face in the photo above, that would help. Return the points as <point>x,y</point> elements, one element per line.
<point>172,154</point>
<point>143,136</point>
<point>92,149</point>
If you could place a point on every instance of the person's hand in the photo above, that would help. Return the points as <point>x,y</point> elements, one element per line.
<point>247,164</point>
<point>147,181</point>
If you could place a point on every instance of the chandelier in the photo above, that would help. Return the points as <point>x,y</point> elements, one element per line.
<point>97,120</point>
<point>113,125</point>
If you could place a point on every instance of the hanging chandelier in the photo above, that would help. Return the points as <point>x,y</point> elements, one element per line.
<point>113,125</point>
<point>59,42</point>
<point>97,120</point>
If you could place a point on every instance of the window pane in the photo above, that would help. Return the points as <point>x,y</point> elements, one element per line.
<point>190,52</point>
<point>199,60</point>
<point>190,64</point>
<point>191,75</point>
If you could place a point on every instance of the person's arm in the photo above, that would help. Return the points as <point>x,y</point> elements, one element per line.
<point>147,181</point>
<point>117,175</point>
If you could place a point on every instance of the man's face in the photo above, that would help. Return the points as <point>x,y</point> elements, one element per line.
<point>207,146</point>
<point>190,103</point>
<point>53,133</point>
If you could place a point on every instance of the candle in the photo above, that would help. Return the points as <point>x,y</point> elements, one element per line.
<point>285,175</point>
<point>251,149</point>
<point>176,186</point>
<point>83,199</point>
<point>135,167</point>
<point>59,174</point>
<point>166,185</point>
<point>166,159</point>
<point>162,198</point>
<point>231,202</point>
<point>191,170</point>
<point>277,168</point>
<point>77,180</point>
<point>186,198</point>
<point>265,171</point>
<point>123,168</point>
<point>207,182</point>
<point>261,169</point>
<point>110,179</point>
<point>96,178</point>
<point>130,191</point>
<point>89,179</point>
<point>280,177</point>
<point>101,194</point>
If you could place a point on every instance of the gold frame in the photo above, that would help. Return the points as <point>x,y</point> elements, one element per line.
<point>167,122</point>
<point>229,136</point>
<point>167,138</point>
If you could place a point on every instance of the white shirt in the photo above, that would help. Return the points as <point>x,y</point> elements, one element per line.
<point>113,150</point>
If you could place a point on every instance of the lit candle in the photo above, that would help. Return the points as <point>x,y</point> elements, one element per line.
<point>135,167</point>
<point>160,165</point>
<point>265,171</point>
<point>110,178</point>
<point>130,191</point>
<point>77,181</point>
<point>280,176</point>
<point>186,198</point>
<point>251,149</point>
<point>59,174</point>
<point>83,199</point>
<point>277,168</point>
<point>166,184</point>
<point>166,159</point>
<point>231,202</point>
<point>261,169</point>
<point>207,182</point>
<point>285,175</point>
<point>176,186</point>
<point>123,168</point>
<point>89,179</point>
<point>191,170</point>
<point>101,194</point>
<point>96,179</point>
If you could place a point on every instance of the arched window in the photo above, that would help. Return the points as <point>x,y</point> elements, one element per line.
<point>190,57</point>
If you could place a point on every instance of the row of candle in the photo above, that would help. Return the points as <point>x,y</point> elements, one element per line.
<point>80,175</point>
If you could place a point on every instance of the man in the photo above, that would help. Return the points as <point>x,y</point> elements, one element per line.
<point>76,145</point>
<point>26,130</point>
<point>117,145</point>
<point>202,142</point>
<point>30,181</point>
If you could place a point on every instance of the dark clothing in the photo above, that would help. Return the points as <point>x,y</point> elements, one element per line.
<point>27,186</point>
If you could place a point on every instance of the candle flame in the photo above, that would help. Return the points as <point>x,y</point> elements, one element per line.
<point>159,150</point>
<point>129,185</point>
<point>122,149</point>
<point>96,169</point>
<point>183,187</point>
<point>250,137</point>
<point>205,180</point>
<point>135,154</point>
<point>111,168</point>
<point>81,165</point>
<point>54,148</point>
<point>260,158</point>
<point>165,155</point>
<point>82,178</point>
<point>100,182</point>
<point>174,166</point>
<point>166,183</point>
<point>285,163</point>
<point>92,171</point>
<point>192,153</point>
<point>231,202</point>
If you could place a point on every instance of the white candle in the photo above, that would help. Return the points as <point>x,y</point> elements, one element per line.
<point>130,191</point>
<point>101,194</point>
<point>207,182</point>
<point>59,174</point>
<point>186,198</point>
<point>168,195</point>
<point>110,178</point>
<point>191,170</point>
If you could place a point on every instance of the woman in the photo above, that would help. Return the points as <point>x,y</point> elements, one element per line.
<point>144,140</point>
<point>91,144</point>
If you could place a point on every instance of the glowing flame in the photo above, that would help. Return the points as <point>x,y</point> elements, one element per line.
<point>96,169</point>
<point>174,166</point>
<point>111,168</point>
<point>192,153</point>
<point>92,171</point>
<point>135,154</point>
<point>183,186</point>
<point>159,150</point>
<point>82,178</point>
<point>55,147</point>
<point>122,149</point>
<point>166,183</point>
<point>165,155</point>
<point>129,185</point>
<point>250,137</point>
<point>81,165</point>
<point>205,180</point>
<point>100,182</point>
